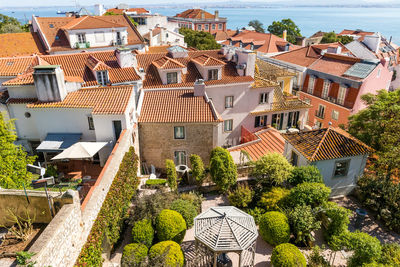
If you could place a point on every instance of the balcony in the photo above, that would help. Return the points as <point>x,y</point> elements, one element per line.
<point>320,114</point>
<point>82,45</point>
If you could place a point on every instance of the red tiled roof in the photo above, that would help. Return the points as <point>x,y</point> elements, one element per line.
<point>118,11</point>
<point>335,64</point>
<point>153,80</point>
<point>95,64</point>
<point>20,44</point>
<point>328,143</point>
<point>267,141</point>
<point>195,14</point>
<point>53,29</point>
<point>206,60</point>
<point>355,32</point>
<point>167,63</point>
<point>163,106</point>
<point>103,100</point>
<point>12,66</point>
<point>223,35</point>
<point>89,22</point>
<point>304,56</point>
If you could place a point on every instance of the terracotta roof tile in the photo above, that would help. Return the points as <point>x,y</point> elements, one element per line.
<point>90,22</point>
<point>195,14</point>
<point>267,141</point>
<point>95,64</point>
<point>207,60</point>
<point>335,64</point>
<point>167,63</point>
<point>223,35</point>
<point>304,56</point>
<point>328,143</point>
<point>20,44</point>
<point>176,106</point>
<point>103,100</point>
<point>12,66</point>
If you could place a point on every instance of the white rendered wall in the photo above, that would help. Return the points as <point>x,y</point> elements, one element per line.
<point>23,91</point>
<point>110,35</point>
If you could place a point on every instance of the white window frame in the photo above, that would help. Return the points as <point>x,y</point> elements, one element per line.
<point>311,84</point>
<point>97,36</point>
<point>213,74</point>
<point>323,108</point>
<point>181,131</point>
<point>229,101</point>
<point>325,89</point>
<point>81,37</point>
<point>172,77</point>
<point>177,157</point>
<point>206,27</point>
<point>90,123</point>
<point>262,121</point>
<point>228,125</point>
<point>264,98</point>
<point>213,26</point>
<point>102,77</point>
<point>220,26</point>
<point>199,27</point>
<point>341,95</point>
<point>335,115</point>
<point>347,161</point>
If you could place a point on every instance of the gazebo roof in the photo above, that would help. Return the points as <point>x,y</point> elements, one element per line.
<point>225,228</point>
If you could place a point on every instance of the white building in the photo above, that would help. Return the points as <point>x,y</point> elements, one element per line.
<point>161,36</point>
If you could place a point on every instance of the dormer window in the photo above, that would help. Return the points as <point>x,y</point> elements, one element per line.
<point>102,77</point>
<point>81,38</point>
<point>213,74</point>
<point>172,77</point>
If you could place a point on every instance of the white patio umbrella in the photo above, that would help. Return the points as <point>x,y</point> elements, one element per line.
<point>81,150</point>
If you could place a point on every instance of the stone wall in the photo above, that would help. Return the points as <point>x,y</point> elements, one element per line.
<point>157,141</point>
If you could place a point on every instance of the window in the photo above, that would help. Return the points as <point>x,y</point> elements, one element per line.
<point>180,157</point>
<point>179,132</point>
<point>81,38</point>
<point>341,168</point>
<point>57,37</point>
<point>228,125</point>
<point>341,95</point>
<point>206,27</point>
<point>90,123</point>
<point>335,115</point>
<point>325,89</point>
<point>102,77</point>
<point>310,88</point>
<point>260,121</point>
<point>213,26</point>
<point>119,39</point>
<point>228,101</point>
<point>27,114</point>
<point>220,26</point>
<point>293,119</point>
<point>264,98</point>
<point>99,37</point>
<point>318,124</point>
<point>213,74</point>
<point>320,113</point>
<point>252,47</point>
<point>172,77</point>
<point>294,159</point>
<point>277,121</point>
<point>379,73</point>
<point>307,100</point>
<point>51,25</point>
<point>240,44</point>
<point>281,84</point>
<point>199,27</point>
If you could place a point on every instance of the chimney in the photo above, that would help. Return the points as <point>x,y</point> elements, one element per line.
<point>385,62</point>
<point>150,37</point>
<point>99,10</point>
<point>50,83</point>
<point>203,14</point>
<point>162,36</point>
<point>199,88</point>
<point>216,14</point>
<point>246,62</point>
<point>301,41</point>
<point>284,35</point>
<point>125,58</point>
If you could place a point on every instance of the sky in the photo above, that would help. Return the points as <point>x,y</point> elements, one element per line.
<point>28,3</point>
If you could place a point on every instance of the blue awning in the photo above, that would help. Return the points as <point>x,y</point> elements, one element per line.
<point>57,142</point>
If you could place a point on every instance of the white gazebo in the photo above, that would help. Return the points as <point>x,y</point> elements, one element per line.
<point>226,229</point>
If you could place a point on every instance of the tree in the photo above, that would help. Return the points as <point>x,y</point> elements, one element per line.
<point>199,39</point>
<point>13,158</point>
<point>222,169</point>
<point>11,25</point>
<point>197,169</point>
<point>303,222</point>
<point>378,126</point>
<point>257,25</point>
<point>345,39</point>
<point>332,37</point>
<point>277,28</point>
<point>303,174</point>
<point>272,169</point>
<point>171,174</point>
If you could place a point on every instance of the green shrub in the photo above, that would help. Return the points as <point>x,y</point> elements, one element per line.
<point>241,196</point>
<point>272,169</point>
<point>170,225</point>
<point>338,219</point>
<point>274,199</point>
<point>155,183</point>
<point>366,248</point>
<point>134,255</point>
<point>171,174</point>
<point>170,253</point>
<point>312,194</point>
<point>303,222</point>
<point>316,259</point>
<point>390,254</point>
<point>305,174</point>
<point>287,255</point>
<point>143,232</point>
<point>197,169</point>
<point>186,209</point>
<point>193,197</point>
<point>274,228</point>
<point>113,211</point>
<point>257,214</point>
<point>222,169</point>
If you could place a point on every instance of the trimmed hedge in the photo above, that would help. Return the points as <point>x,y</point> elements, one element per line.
<point>303,174</point>
<point>287,255</point>
<point>312,194</point>
<point>172,177</point>
<point>241,197</point>
<point>274,228</point>
<point>170,225</point>
<point>133,255</point>
<point>274,199</point>
<point>110,219</point>
<point>169,252</point>
<point>143,232</point>
<point>186,209</point>
<point>156,183</point>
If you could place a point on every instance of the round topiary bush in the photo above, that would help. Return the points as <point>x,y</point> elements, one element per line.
<point>166,253</point>
<point>186,209</point>
<point>303,174</point>
<point>143,232</point>
<point>133,255</point>
<point>287,255</point>
<point>274,228</point>
<point>312,194</point>
<point>170,225</point>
